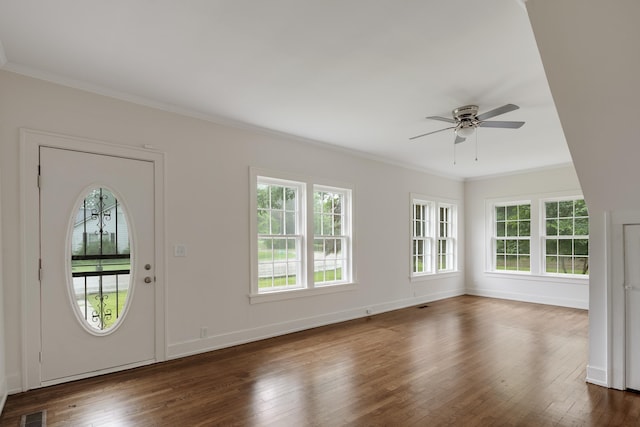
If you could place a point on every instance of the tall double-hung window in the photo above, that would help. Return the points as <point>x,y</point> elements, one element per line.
<point>302,238</point>
<point>331,235</point>
<point>422,245</point>
<point>566,237</point>
<point>512,237</point>
<point>280,234</point>
<point>434,232</point>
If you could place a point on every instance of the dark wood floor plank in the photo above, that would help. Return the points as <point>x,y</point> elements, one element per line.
<point>463,361</point>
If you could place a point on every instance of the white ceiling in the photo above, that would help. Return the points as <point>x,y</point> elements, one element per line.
<point>360,74</point>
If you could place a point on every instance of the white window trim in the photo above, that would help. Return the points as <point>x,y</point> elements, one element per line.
<point>494,237</point>
<point>430,237</point>
<point>543,237</point>
<point>537,264</point>
<point>347,206</point>
<point>434,203</point>
<point>453,237</point>
<point>306,214</point>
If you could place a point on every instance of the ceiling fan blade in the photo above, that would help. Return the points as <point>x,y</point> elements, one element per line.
<point>442,119</point>
<point>507,125</point>
<point>459,139</point>
<point>497,111</point>
<point>429,133</point>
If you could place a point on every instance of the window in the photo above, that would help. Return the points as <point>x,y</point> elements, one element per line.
<point>566,237</point>
<point>330,236</point>
<point>512,237</point>
<point>433,243</point>
<point>285,256</point>
<point>422,244</point>
<point>280,234</point>
<point>446,238</point>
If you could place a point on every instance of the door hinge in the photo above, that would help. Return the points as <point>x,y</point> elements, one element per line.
<point>40,356</point>
<point>39,177</point>
<point>40,269</point>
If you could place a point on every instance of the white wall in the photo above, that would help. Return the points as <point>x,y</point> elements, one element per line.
<point>561,181</point>
<point>207,186</point>
<point>3,376</point>
<point>590,53</point>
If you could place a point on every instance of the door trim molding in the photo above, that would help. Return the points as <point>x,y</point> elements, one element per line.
<point>617,306</point>
<point>30,143</point>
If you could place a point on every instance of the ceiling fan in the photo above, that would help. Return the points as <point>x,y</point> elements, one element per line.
<point>466,119</point>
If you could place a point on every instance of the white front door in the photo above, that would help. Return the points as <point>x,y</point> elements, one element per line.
<point>632,292</point>
<point>97,255</point>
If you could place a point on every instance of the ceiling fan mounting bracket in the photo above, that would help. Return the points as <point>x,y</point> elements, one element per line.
<point>468,112</point>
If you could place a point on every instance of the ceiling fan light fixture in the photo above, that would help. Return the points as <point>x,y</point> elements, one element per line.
<point>465,131</point>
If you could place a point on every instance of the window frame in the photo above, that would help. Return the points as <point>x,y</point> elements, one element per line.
<point>426,236</point>
<point>306,286</point>
<point>450,225</point>
<point>544,237</point>
<point>433,238</point>
<point>518,238</point>
<point>537,273</point>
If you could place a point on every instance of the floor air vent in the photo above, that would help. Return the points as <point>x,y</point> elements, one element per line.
<point>37,419</point>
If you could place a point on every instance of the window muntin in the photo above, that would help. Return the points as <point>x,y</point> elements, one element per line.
<point>280,234</point>
<point>566,237</point>
<point>298,242</point>
<point>512,237</point>
<point>330,236</point>
<point>422,238</point>
<point>446,251</point>
<point>100,261</point>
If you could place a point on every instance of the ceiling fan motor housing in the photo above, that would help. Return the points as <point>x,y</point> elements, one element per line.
<point>466,116</point>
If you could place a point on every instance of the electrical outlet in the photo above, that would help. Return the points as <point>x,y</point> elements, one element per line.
<point>203,332</point>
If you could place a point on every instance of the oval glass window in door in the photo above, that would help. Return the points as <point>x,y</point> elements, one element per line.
<point>100,261</point>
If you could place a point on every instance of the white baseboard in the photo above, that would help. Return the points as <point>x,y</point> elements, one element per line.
<point>538,299</point>
<point>14,383</point>
<point>3,394</point>
<point>597,376</point>
<point>187,348</point>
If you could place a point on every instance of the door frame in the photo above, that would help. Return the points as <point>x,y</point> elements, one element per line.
<point>30,143</point>
<point>617,297</point>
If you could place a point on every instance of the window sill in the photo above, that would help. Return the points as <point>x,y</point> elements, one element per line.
<point>434,276</point>
<point>300,293</point>
<point>569,279</point>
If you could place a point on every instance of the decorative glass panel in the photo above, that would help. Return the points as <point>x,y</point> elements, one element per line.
<point>100,260</point>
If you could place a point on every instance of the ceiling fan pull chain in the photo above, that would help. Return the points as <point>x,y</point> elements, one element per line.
<point>476,145</point>
<point>454,154</point>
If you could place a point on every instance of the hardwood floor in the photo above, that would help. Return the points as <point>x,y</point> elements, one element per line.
<point>465,361</point>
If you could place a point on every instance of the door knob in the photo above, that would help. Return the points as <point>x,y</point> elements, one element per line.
<point>147,279</point>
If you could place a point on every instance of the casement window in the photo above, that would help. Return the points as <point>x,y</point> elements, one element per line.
<point>434,232</point>
<point>566,237</point>
<point>422,224</point>
<point>512,237</point>
<point>446,237</point>
<point>298,242</point>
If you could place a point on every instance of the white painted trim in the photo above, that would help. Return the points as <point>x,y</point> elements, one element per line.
<point>616,304</point>
<point>537,299</point>
<point>3,394</point>
<point>196,346</point>
<point>30,143</point>
<point>597,376</point>
<point>3,56</point>
<point>96,373</point>
<point>14,383</point>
